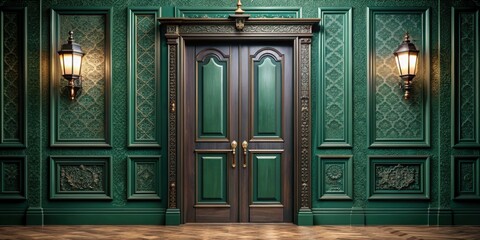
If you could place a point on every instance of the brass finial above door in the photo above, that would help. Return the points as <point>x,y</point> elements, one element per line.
<point>239,17</point>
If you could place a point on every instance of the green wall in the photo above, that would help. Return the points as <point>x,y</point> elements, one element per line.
<point>377,159</point>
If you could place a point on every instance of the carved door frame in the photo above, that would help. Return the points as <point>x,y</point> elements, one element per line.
<point>299,33</point>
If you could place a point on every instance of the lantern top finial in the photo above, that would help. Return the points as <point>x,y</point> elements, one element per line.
<point>70,37</point>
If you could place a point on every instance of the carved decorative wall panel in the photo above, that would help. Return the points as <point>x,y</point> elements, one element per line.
<point>80,177</point>
<point>335,180</point>
<point>12,177</point>
<point>399,177</point>
<point>144,177</point>
<point>144,78</point>
<point>86,120</point>
<point>224,12</point>
<point>395,122</point>
<point>13,77</point>
<point>335,86</point>
<point>465,177</point>
<point>465,82</point>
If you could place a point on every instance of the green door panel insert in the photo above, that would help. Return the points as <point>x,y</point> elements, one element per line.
<point>266,178</point>
<point>212,97</point>
<point>267,101</point>
<point>212,178</point>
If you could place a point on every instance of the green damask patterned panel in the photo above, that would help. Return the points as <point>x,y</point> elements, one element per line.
<point>144,175</point>
<point>13,77</point>
<point>465,78</point>
<point>224,12</point>
<point>335,71</point>
<point>266,178</point>
<point>85,121</point>
<point>399,177</point>
<point>393,121</point>
<point>465,177</point>
<point>267,100</point>
<point>80,177</point>
<point>144,73</point>
<point>212,98</point>
<point>12,177</point>
<point>211,178</point>
<point>335,180</point>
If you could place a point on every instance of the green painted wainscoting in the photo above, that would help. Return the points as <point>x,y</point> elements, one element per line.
<point>376,158</point>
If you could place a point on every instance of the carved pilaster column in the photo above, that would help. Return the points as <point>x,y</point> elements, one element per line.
<point>304,133</point>
<point>173,214</point>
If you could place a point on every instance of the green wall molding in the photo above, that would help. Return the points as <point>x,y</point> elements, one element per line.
<point>87,120</point>
<point>144,109</point>
<point>465,177</point>
<point>392,121</point>
<point>335,178</point>
<point>334,108</point>
<point>13,77</point>
<point>81,177</point>
<point>398,177</point>
<point>224,12</point>
<point>13,177</point>
<point>465,74</point>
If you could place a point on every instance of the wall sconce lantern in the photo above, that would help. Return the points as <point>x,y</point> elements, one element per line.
<point>406,56</point>
<point>71,55</point>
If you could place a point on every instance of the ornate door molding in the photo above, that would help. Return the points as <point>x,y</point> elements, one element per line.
<point>299,33</point>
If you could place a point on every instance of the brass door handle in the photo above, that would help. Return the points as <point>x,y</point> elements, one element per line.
<point>244,146</point>
<point>234,147</point>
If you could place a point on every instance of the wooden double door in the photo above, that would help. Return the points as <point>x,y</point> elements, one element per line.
<point>238,144</point>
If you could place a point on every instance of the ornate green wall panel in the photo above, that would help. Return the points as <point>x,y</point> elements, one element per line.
<point>335,78</point>
<point>266,178</point>
<point>144,175</point>
<point>465,177</point>
<point>85,121</point>
<point>335,180</point>
<point>395,122</point>
<point>144,125</point>
<point>80,177</point>
<point>224,12</point>
<point>465,77</point>
<point>13,177</point>
<point>13,76</point>
<point>399,177</point>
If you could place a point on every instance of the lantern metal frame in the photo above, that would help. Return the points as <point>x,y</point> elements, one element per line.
<point>73,89</point>
<point>409,48</point>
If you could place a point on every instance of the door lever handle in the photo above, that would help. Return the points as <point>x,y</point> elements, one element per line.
<point>234,147</point>
<point>244,146</point>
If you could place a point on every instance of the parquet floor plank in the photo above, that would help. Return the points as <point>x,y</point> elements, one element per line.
<point>239,231</point>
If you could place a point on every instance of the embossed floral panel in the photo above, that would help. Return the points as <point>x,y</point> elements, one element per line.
<point>144,177</point>
<point>85,120</point>
<point>393,121</point>
<point>465,177</point>
<point>399,177</point>
<point>12,177</point>
<point>80,177</point>
<point>335,179</point>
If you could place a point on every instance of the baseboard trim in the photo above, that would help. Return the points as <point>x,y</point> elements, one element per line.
<point>149,216</point>
<point>12,216</point>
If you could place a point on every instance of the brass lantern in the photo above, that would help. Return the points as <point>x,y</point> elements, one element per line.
<point>70,56</point>
<point>406,57</point>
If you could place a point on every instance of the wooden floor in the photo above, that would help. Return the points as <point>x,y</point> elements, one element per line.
<point>239,231</point>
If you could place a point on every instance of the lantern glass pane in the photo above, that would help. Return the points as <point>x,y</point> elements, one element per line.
<point>403,62</point>
<point>77,64</point>
<point>398,64</point>
<point>61,64</point>
<point>413,63</point>
<point>67,63</point>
